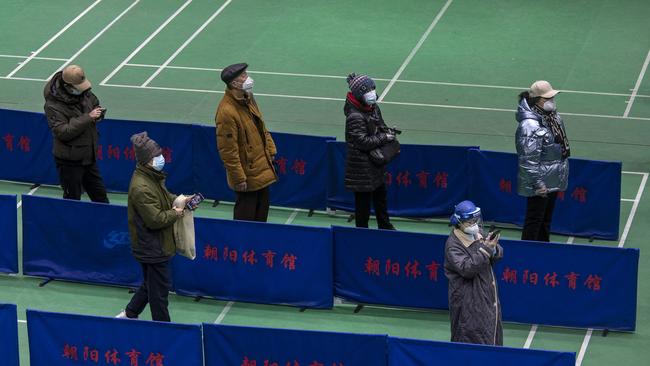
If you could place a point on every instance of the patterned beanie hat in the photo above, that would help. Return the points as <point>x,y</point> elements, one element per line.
<point>360,84</point>
<point>145,148</point>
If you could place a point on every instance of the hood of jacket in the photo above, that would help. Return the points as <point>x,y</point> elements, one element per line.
<point>54,90</point>
<point>524,112</point>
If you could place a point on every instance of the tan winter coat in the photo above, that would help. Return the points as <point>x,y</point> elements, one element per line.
<point>245,145</point>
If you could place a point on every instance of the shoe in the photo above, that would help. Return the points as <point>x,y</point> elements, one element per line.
<point>122,315</point>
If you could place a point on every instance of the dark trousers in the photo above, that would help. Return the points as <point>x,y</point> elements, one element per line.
<point>154,290</point>
<point>252,206</point>
<point>75,179</point>
<point>539,212</point>
<point>362,201</point>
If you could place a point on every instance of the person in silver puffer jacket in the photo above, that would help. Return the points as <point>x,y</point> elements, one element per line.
<point>543,151</point>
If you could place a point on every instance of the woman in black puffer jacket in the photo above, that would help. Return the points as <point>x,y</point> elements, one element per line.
<point>365,130</point>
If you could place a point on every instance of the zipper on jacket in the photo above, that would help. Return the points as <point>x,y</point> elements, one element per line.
<point>496,306</point>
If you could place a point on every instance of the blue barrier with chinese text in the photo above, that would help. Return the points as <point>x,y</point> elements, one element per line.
<point>258,262</point>
<point>424,180</point>
<point>57,339</point>
<point>411,352</point>
<point>590,207</point>
<point>234,345</point>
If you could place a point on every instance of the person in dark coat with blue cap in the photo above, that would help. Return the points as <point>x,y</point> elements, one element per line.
<point>365,131</point>
<point>474,306</point>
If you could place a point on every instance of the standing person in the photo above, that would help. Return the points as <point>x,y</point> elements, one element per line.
<point>151,221</point>
<point>73,112</point>
<point>474,306</point>
<point>365,131</point>
<point>245,145</point>
<point>543,150</point>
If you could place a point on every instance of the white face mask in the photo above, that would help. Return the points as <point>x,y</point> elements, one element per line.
<point>158,162</point>
<point>549,105</point>
<point>370,97</point>
<point>471,230</point>
<point>247,85</point>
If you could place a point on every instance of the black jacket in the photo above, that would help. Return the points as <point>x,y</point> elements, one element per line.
<point>474,306</point>
<point>74,131</point>
<point>364,131</point>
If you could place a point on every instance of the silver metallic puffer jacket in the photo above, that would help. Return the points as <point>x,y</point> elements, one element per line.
<point>540,157</point>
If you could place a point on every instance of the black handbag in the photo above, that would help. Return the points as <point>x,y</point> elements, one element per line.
<point>385,154</point>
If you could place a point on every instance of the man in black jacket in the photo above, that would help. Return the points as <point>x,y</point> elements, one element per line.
<point>73,112</point>
<point>365,131</point>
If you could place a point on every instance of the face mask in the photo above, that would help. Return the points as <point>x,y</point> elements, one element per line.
<point>549,105</point>
<point>370,97</point>
<point>247,85</point>
<point>158,162</point>
<point>471,230</point>
<point>72,90</point>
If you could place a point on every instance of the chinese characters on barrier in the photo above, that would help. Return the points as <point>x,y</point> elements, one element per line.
<point>579,194</point>
<point>16,143</point>
<point>571,280</point>
<point>423,179</point>
<point>111,356</point>
<point>411,269</point>
<point>253,362</point>
<point>115,152</point>
<point>298,166</point>
<point>287,261</point>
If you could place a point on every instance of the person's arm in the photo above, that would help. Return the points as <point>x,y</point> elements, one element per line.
<point>358,136</point>
<point>270,143</point>
<point>530,139</point>
<point>65,129</point>
<point>150,209</point>
<point>466,264</point>
<point>228,146</point>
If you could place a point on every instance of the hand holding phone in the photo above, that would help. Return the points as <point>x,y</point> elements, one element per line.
<point>194,202</point>
<point>493,234</point>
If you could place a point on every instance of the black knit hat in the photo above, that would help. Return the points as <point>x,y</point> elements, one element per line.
<point>145,148</point>
<point>360,84</point>
<point>231,72</point>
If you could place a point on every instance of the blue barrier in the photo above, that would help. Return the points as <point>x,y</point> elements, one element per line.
<point>26,148</point>
<point>422,181</point>
<point>231,345</point>
<point>411,352</point>
<point>540,283</point>
<point>77,241</point>
<point>301,165</point>
<point>8,235</point>
<point>258,262</point>
<point>590,207</point>
<point>9,334</point>
<point>65,339</point>
<point>116,155</point>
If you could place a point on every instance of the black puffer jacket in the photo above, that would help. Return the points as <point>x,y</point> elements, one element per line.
<point>364,131</point>
<point>74,131</point>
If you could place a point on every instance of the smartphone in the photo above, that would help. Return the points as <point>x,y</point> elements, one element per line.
<point>494,234</point>
<point>195,201</point>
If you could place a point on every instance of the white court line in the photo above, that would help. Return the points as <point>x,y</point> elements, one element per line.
<point>380,79</point>
<point>59,33</point>
<point>23,79</point>
<point>583,348</point>
<point>187,42</point>
<point>223,313</point>
<point>144,43</point>
<point>570,239</point>
<point>627,200</point>
<point>107,27</point>
<point>31,192</point>
<point>35,58</point>
<point>292,217</point>
<point>414,50</point>
<point>621,243</point>
<point>531,335</point>
<point>637,85</point>
<point>22,321</point>
<point>635,173</point>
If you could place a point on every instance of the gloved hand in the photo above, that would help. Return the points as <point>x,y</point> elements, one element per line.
<point>491,242</point>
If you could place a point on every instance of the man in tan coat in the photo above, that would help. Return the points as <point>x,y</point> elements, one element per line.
<point>245,145</point>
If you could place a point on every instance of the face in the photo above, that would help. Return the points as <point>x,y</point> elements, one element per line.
<point>239,80</point>
<point>541,101</point>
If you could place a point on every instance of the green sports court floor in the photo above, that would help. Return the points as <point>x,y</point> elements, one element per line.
<point>448,72</point>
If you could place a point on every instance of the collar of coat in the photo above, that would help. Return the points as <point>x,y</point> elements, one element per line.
<point>360,106</point>
<point>464,238</point>
<point>244,99</point>
<point>151,172</point>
